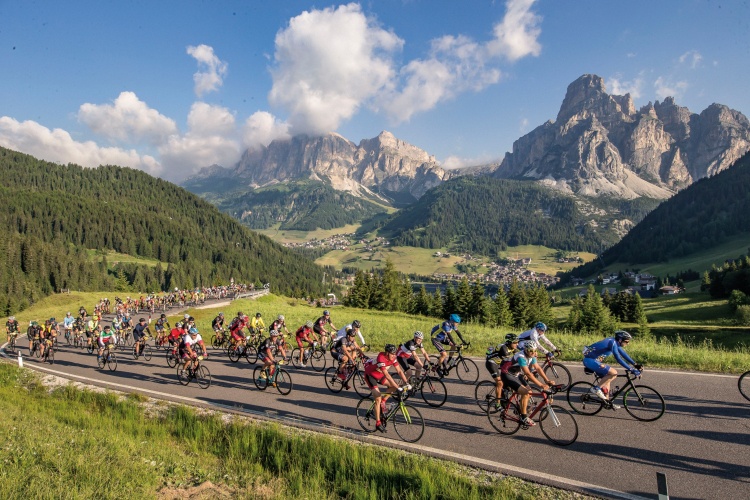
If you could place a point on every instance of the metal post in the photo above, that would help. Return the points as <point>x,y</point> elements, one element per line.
<point>661,483</point>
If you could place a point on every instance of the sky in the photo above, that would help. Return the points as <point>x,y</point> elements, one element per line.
<point>171,87</point>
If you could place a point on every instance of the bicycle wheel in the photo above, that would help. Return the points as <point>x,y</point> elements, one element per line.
<point>215,343</point>
<point>101,361</point>
<point>51,356</point>
<point>146,353</point>
<point>408,423</point>
<point>743,384</point>
<point>333,381</point>
<point>483,393</point>
<point>366,414</point>
<point>507,421</point>
<point>260,383</point>
<point>37,351</point>
<point>112,362</point>
<point>644,403</point>
<point>558,425</point>
<point>90,347</point>
<point>467,371</point>
<point>203,377</point>
<point>318,360</point>
<point>251,355</point>
<point>433,392</point>
<point>358,380</point>
<point>582,400</point>
<point>558,374</point>
<point>183,376</point>
<point>67,338</point>
<point>171,359</point>
<point>234,354</point>
<point>283,381</point>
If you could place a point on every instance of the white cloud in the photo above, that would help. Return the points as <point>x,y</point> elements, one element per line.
<point>261,128</point>
<point>716,63</point>
<point>664,87</point>
<point>618,87</point>
<point>516,35</point>
<point>524,124</point>
<point>692,57</point>
<point>208,119</point>
<point>453,161</point>
<point>56,145</point>
<point>631,54</point>
<point>213,77</point>
<point>128,119</point>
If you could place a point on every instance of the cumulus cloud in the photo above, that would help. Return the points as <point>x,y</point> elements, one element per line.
<point>524,124</point>
<point>664,87</point>
<point>691,57</point>
<point>516,35</point>
<point>261,128</point>
<point>57,145</point>
<point>617,86</point>
<point>327,62</point>
<point>127,119</point>
<point>215,70</point>
<point>210,139</point>
<point>453,161</point>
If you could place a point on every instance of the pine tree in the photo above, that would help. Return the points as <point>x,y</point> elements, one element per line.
<point>463,299</point>
<point>518,304</point>
<point>436,304</point>
<point>421,304</point>
<point>121,285</point>
<point>449,302</point>
<point>639,316</point>
<point>477,301</point>
<point>705,282</point>
<point>502,313</point>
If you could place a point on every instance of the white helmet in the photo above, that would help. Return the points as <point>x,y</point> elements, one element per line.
<point>186,316</point>
<point>530,345</point>
<point>175,289</point>
<point>280,317</point>
<point>418,335</point>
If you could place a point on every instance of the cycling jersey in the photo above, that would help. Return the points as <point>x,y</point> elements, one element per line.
<point>265,346</point>
<point>217,323</point>
<point>105,336</point>
<point>68,321</point>
<point>605,348</point>
<point>408,348</point>
<point>377,367</point>
<point>257,323</point>
<point>498,354</point>
<point>534,335</point>
<point>339,345</point>
<point>513,365</point>
<point>236,326</point>
<point>303,331</point>
<point>442,332</point>
<point>161,322</point>
<point>12,326</point>
<point>278,325</point>
<point>176,333</point>
<point>342,333</point>
<point>187,341</point>
<point>139,331</point>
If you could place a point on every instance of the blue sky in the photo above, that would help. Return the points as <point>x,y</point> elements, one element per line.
<point>90,82</point>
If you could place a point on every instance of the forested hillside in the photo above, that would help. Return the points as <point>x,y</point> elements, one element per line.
<point>485,215</point>
<point>297,205</point>
<point>52,212</point>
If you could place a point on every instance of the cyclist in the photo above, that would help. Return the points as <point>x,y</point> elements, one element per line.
<point>265,352</point>
<point>33,334</point>
<point>595,354</point>
<point>46,337</point>
<point>496,356</point>
<point>161,326</point>
<point>344,350</point>
<point>104,338</point>
<point>521,363</point>
<point>407,355</point>
<point>279,324</point>
<point>91,326</point>
<point>175,335</point>
<point>320,325</point>
<point>68,325</point>
<point>354,325</point>
<point>140,336</point>
<point>82,312</point>
<point>441,335</point>
<point>303,333</point>
<point>127,320</point>
<point>11,328</point>
<point>376,372</point>
<point>236,330</point>
<point>218,323</point>
<point>537,334</point>
<point>189,341</point>
<point>256,324</point>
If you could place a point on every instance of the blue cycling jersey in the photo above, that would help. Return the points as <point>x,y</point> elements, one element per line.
<point>442,330</point>
<point>605,348</point>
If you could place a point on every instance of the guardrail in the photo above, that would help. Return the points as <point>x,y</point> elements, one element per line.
<point>252,294</point>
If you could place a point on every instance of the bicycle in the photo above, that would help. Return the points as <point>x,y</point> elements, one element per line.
<point>336,381</point>
<point>108,358</point>
<point>145,350</point>
<point>248,351</point>
<point>466,369</point>
<point>315,355</point>
<point>743,384</point>
<point>556,372</point>
<point>407,420</point>
<point>219,340</point>
<point>172,357</point>
<point>49,353</point>
<point>640,401</point>
<point>12,342</point>
<point>200,373</point>
<point>505,417</point>
<point>431,388</point>
<point>281,379</point>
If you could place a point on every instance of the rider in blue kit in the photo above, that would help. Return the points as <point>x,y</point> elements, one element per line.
<point>595,354</point>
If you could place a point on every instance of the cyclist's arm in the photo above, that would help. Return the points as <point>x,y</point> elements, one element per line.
<point>460,336</point>
<point>359,333</point>
<point>619,354</point>
<point>526,371</point>
<point>546,341</point>
<point>426,356</point>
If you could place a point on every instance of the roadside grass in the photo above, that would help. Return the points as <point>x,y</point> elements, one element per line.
<point>55,306</point>
<point>80,444</point>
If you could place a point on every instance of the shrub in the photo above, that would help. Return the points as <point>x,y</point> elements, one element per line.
<point>742,315</point>
<point>737,298</point>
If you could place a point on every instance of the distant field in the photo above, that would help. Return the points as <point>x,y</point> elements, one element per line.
<point>700,261</point>
<point>285,236</point>
<point>115,257</point>
<point>56,305</point>
<point>543,258</point>
<point>406,260</point>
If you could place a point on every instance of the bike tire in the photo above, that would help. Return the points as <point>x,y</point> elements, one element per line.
<point>358,380</point>
<point>37,351</point>
<point>112,362</point>
<point>283,381</point>
<point>743,384</point>
<point>467,371</point>
<point>318,360</point>
<point>433,392</point>
<point>51,357</point>
<point>100,362</point>
<point>203,377</point>
<point>484,391</point>
<point>644,403</point>
<point>171,359</point>
<point>561,427</point>
<point>251,355</point>
<point>234,354</point>
<point>183,376</point>
<point>409,423</point>
<point>260,383</point>
<point>215,344</point>
<point>558,374</point>
<point>582,401</point>
<point>366,414</point>
<point>67,338</point>
<point>147,352</point>
<point>333,381</point>
<point>500,422</point>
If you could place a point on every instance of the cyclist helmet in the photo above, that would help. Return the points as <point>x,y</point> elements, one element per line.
<point>326,313</point>
<point>186,316</point>
<point>12,318</point>
<point>163,316</point>
<point>52,319</point>
<point>106,328</point>
<point>455,318</point>
<point>178,325</point>
<point>68,314</point>
<point>418,335</point>
<point>356,324</point>
<point>530,346</point>
<point>239,314</point>
<point>510,338</point>
<point>273,333</point>
<point>193,331</point>
<point>280,317</point>
<point>257,315</point>
<point>192,319</point>
<point>350,332</point>
<point>390,349</point>
<point>541,327</point>
<point>623,335</point>
<point>309,324</point>
<point>175,289</point>
<point>221,314</point>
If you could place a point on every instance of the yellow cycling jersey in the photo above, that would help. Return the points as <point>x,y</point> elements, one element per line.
<point>257,323</point>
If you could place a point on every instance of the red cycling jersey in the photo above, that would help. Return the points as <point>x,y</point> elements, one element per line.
<point>377,367</point>
<point>176,333</point>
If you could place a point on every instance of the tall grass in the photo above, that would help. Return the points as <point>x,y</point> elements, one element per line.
<point>81,444</point>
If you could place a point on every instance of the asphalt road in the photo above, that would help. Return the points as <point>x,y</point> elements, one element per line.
<point>702,442</point>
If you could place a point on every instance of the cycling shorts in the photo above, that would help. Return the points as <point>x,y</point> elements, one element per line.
<point>373,382</point>
<point>89,334</point>
<point>184,354</point>
<point>512,382</point>
<point>318,330</point>
<point>493,368</point>
<point>265,358</point>
<point>237,336</point>
<point>439,345</point>
<point>338,356</point>
<point>404,363</point>
<point>300,338</point>
<point>599,368</point>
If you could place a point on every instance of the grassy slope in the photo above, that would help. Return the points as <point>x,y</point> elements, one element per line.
<point>55,306</point>
<point>99,445</point>
<point>287,236</point>
<point>116,257</point>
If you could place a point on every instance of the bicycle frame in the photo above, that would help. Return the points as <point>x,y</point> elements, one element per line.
<point>613,395</point>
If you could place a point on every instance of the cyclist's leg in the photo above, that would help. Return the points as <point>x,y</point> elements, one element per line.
<point>494,370</point>
<point>441,350</point>
<point>605,373</point>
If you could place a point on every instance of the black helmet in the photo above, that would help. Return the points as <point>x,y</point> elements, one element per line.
<point>510,338</point>
<point>356,324</point>
<point>163,316</point>
<point>257,315</point>
<point>390,349</point>
<point>141,320</point>
<point>239,314</point>
<point>623,335</point>
<point>191,319</point>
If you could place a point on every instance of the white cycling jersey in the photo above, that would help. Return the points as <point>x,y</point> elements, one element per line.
<point>342,333</point>
<point>534,335</point>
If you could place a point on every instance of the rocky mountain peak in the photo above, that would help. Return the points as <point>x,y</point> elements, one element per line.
<point>581,93</point>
